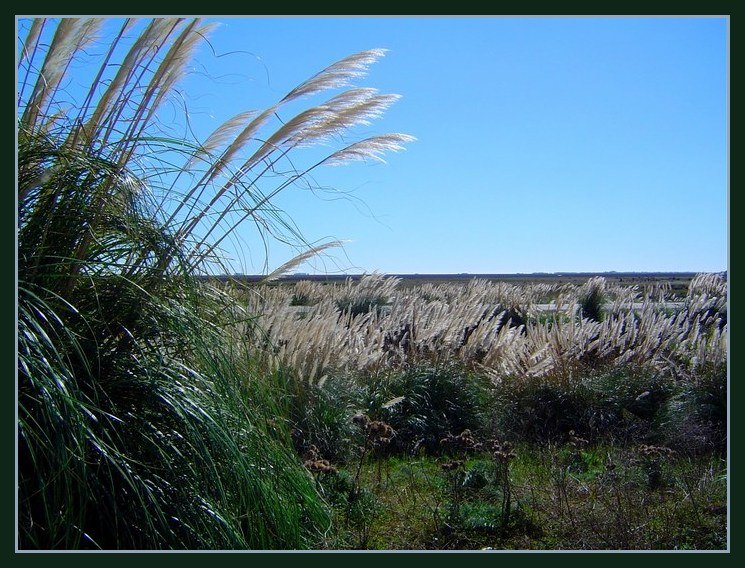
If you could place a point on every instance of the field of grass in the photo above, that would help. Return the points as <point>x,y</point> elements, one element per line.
<point>597,427</point>
<point>502,329</point>
<point>161,409</point>
<point>561,498</point>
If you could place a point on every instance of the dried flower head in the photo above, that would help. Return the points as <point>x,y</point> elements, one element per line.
<point>320,466</point>
<point>503,451</point>
<point>654,451</point>
<point>451,465</point>
<point>379,431</point>
<point>462,443</point>
<point>311,454</point>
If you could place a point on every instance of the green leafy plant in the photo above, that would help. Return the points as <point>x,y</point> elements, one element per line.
<point>623,404</point>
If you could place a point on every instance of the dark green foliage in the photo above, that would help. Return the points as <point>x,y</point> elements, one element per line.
<point>355,306</point>
<point>436,400</point>
<point>355,509</point>
<point>592,298</point>
<point>135,431</point>
<point>480,517</point>
<point>322,415</point>
<point>695,419</point>
<point>477,476</point>
<point>299,299</point>
<point>620,405</point>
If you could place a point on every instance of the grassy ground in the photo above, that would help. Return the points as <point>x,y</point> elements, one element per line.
<point>611,460</point>
<point>562,497</point>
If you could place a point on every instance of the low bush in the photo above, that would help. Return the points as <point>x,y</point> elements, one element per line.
<point>361,305</point>
<point>592,296</point>
<point>321,416</point>
<point>430,402</point>
<point>620,405</point>
<point>695,419</point>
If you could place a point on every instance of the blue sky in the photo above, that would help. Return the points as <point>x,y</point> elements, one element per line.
<point>543,144</point>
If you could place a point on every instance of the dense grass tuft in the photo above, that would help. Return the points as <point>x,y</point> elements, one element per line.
<point>135,431</point>
<point>426,403</point>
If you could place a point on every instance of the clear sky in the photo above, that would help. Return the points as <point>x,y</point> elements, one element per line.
<point>543,144</point>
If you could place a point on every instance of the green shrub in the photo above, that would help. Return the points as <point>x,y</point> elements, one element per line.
<point>695,419</point>
<point>322,415</point>
<point>620,405</point>
<point>361,305</point>
<point>591,299</point>
<point>300,299</point>
<point>432,402</point>
<point>149,439</point>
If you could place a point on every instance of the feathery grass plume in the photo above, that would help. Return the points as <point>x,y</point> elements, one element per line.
<point>28,49</point>
<point>299,259</point>
<point>337,75</point>
<point>353,107</point>
<point>216,167</point>
<point>108,111</point>
<point>207,151</point>
<point>369,149</point>
<point>469,324</point>
<point>707,300</point>
<point>71,35</point>
<point>241,197</point>
<point>32,37</point>
<point>142,422</point>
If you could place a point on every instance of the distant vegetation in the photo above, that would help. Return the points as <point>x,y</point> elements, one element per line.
<point>522,415</point>
<point>498,328</point>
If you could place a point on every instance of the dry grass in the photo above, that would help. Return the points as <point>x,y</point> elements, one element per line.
<point>497,328</point>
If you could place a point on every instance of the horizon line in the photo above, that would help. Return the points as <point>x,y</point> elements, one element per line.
<point>618,273</point>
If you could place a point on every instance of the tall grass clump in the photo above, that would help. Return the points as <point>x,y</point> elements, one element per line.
<point>591,298</point>
<point>369,295</point>
<point>426,403</point>
<point>320,413</point>
<point>141,421</point>
<point>695,419</point>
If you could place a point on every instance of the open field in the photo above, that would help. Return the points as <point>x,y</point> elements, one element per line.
<point>507,415</point>
<point>599,386</point>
